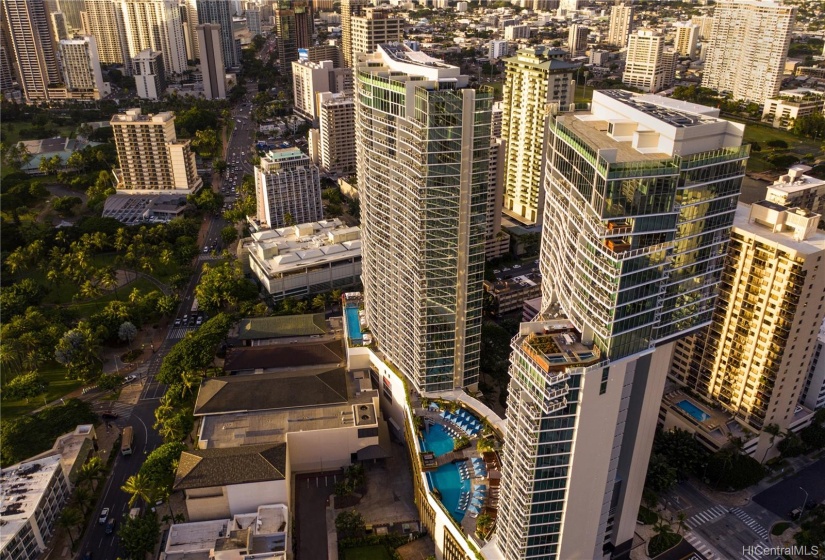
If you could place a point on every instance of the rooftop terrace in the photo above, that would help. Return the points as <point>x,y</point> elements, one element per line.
<point>556,345</point>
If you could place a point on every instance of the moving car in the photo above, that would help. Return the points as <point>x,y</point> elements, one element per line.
<point>109,415</point>
<point>110,526</point>
<point>104,515</point>
<point>130,378</point>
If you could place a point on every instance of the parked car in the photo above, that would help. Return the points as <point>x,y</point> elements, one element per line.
<point>130,378</point>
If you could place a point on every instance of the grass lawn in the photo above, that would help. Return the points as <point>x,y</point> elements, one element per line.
<point>374,552</point>
<point>798,146</point>
<point>55,374</point>
<point>87,308</point>
<point>11,131</point>
<point>584,94</point>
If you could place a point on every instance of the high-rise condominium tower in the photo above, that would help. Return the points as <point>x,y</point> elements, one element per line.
<point>212,65</point>
<point>150,155</point>
<point>349,9</point>
<point>105,19</point>
<point>641,195</point>
<point>687,37</point>
<point>219,12</point>
<point>31,40</point>
<point>60,28</point>
<point>577,38</point>
<point>288,188</point>
<point>81,66</point>
<point>374,27</point>
<point>150,77</point>
<point>534,77</point>
<point>337,132</point>
<point>294,28</point>
<point>621,23</point>
<point>423,145</point>
<point>748,46</point>
<point>644,66</point>
<point>754,357</point>
<point>156,25</point>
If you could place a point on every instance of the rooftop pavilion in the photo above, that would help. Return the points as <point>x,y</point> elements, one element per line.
<point>556,345</point>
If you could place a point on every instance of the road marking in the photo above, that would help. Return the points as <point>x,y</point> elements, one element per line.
<point>145,434</point>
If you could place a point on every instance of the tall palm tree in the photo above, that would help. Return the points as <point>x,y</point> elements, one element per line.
<point>189,380</point>
<point>69,519</point>
<point>139,486</point>
<point>681,517</point>
<point>83,499</point>
<point>91,471</point>
<point>774,430</point>
<point>662,528</point>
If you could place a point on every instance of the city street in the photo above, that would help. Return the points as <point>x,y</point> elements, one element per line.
<point>789,494</point>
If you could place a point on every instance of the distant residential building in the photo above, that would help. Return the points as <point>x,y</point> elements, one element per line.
<point>106,24</point>
<point>748,47</point>
<point>319,53</point>
<point>81,67</point>
<point>569,6</point>
<point>60,27</point>
<point>497,242</point>
<point>375,26</point>
<point>644,66</point>
<point>621,24</point>
<point>705,24</point>
<point>497,49</point>
<point>219,12</point>
<point>305,259</point>
<point>509,295</point>
<point>312,78</point>
<point>156,25</point>
<point>150,77</point>
<point>293,20</point>
<point>253,19</point>
<point>687,38</point>
<point>288,188</point>
<point>150,155</point>
<point>577,38</point>
<point>336,133</point>
<point>791,104</point>
<point>212,65</point>
<point>349,9</point>
<point>516,32</point>
<point>535,77</point>
<point>600,58</point>
<point>670,63</point>
<point>73,11</point>
<point>27,29</point>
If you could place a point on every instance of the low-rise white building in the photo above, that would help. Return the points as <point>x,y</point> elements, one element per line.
<point>33,494</point>
<point>790,104</point>
<point>304,259</point>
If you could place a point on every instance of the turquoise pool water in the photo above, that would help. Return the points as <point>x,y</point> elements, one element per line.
<point>437,440</point>
<point>353,323</point>
<point>447,481</point>
<point>698,414</point>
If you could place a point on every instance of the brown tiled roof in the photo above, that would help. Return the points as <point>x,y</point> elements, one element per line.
<point>205,468</point>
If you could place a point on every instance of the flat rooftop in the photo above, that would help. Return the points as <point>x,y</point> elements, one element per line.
<point>813,244</point>
<point>796,181</point>
<point>285,326</point>
<point>282,356</point>
<point>21,488</point>
<point>186,538</point>
<point>676,113</point>
<point>594,133</point>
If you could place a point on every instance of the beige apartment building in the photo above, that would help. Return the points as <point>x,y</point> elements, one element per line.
<point>156,25</point>
<point>105,22</point>
<point>81,67</point>
<point>748,47</point>
<point>26,26</point>
<point>797,189</point>
<point>374,27</point>
<point>337,133</point>
<point>754,357</point>
<point>535,78</point>
<point>152,160</point>
<point>349,9</point>
<point>644,67</point>
<point>309,79</point>
<point>687,38</point>
<point>288,189</point>
<point>621,23</point>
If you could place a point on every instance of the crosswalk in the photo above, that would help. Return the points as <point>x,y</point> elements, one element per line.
<point>710,514</point>
<point>751,523</point>
<point>122,409</point>
<point>179,332</point>
<point>700,545</point>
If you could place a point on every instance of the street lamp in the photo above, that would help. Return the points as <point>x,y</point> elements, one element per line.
<point>804,502</point>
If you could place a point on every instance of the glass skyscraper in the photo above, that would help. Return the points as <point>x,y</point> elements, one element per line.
<point>640,198</point>
<point>423,145</point>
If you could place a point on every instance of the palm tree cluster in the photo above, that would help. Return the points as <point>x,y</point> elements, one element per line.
<point>83,499</point>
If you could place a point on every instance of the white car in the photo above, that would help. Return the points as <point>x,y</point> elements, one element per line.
<point>104,515</point>
<point>130,378</point>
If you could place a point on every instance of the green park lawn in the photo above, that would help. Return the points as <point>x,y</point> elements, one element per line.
<point>11,131</point>
<point>374,552</point>
<point>59,386</point>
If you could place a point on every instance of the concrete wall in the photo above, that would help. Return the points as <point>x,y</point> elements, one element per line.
<point>203,504</point>
<point>247,498</point>
<point>320,450</point>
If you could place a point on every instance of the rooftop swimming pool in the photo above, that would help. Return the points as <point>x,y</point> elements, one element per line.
<point>448,482</point>
<point>697,413</point>
<point>437,440</point>
<point>353,323</point>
